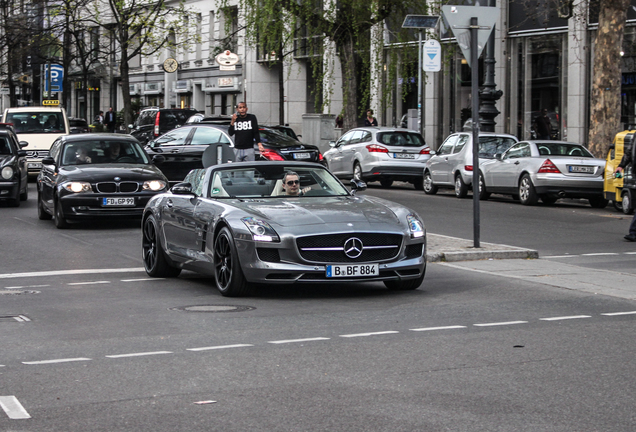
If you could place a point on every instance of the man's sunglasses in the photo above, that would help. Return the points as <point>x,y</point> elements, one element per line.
<point>292,182</point>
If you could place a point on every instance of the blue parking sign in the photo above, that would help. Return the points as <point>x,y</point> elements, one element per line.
<point>57,73</point>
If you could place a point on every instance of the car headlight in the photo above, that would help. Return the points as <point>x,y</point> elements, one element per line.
<point>77,187</point>
<point>416,226</point>
<point>261,230</point>
<point>154,185</point>
<point>7,173</point>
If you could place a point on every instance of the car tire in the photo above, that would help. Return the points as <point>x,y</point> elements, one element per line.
<point>405,285</point>
<point>25,195</point>
<point>418,183</point>
<point>228,274</point>
<point>627,204</point>
<point>527,193</point>
<point>429,187</point>
<point>598,202</point>
<point>386,183</point>
<point>42,213</point>
<point>461,188</point>
<point>548,199</point>
<point>60,220</point>
<point>357,171</point>
<point>618,206</point>
<point>483,193</point>
<point>154,257</point>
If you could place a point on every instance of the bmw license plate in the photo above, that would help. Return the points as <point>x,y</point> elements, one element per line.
<point>302,155</point>
<point>581,169</point>
<point>403,155</point>
<point>118,202</point>
<point>353,270</point>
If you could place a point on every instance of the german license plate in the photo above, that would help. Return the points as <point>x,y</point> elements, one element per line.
<point>118,202</point>
<point>352,270</point>
<point>302,155</point>
<point>581,169</point>
<point>34,165</point>
<point>403,156</point>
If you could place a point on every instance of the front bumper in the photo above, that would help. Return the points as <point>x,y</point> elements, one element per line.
<point>9,189</point>
<point>87,206</point>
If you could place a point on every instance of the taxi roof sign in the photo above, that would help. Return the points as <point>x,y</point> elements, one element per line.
<point>51,102</point>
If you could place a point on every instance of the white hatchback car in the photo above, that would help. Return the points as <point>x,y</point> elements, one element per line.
<point>452,165</point>
<point>379,154</point>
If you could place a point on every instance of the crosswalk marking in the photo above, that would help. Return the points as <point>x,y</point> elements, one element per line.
<point>13,408</point>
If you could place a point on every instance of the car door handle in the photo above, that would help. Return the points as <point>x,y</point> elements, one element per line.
<point>517,163</point>
<point>169,203</point>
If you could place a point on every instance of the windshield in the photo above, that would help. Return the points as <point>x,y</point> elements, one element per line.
<point>278,181</point>
<point>102,152</point>
<point>403,139</point>
<point>273,138</point>
<point>563,149</point>
<point>30,122</point>
<point>489,146</point>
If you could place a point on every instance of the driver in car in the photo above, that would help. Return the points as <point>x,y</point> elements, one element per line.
<point>291,184</point>
<point>113,151</point>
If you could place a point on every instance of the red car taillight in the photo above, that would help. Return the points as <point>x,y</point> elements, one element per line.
<point>271,155</point>
<point>374,148</point>
<point>549,167</point>
<point>425,150</point>
<point>320,156</point>
<point>468,167</point>
<point>157,125</point>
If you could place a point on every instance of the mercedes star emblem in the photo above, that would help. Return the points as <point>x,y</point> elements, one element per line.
<point>353,247</point>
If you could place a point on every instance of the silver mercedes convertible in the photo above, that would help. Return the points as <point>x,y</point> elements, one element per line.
<point>280,223</point>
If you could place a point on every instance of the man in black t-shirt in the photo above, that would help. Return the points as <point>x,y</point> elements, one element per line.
<point>245,127</point>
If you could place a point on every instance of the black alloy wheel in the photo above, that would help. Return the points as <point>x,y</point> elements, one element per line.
<point>228,275</point>
<point>153,255</point>
<point>60,221</point>
<point>42,213</point>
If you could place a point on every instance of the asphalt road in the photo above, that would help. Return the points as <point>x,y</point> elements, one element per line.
<point>89,343</point>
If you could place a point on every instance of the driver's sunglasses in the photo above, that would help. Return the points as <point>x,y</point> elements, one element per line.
<point>292,182</point>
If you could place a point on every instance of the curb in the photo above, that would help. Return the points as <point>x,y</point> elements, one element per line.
<point>442,248</point>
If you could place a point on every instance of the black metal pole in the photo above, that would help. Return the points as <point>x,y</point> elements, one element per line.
<point>474,73</point>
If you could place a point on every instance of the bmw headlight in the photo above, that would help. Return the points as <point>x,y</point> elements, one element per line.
<point>7,173</point>
<point>261,230</point>
<point>416,226</point>
<point>77,187</point>
<point>154,185</point>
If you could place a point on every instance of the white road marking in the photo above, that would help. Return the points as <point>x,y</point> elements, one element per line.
<point>600,254</point>
<point>14,409</point>
<point>298,340</point>
<point>629,253</point>
<point>500,323</point>
<point>89,283</point>
<point>21,318</point>
<point>219,347</point>
<point>139,354</point>
<point>141,280</point>
<point>70,272</point>
<point>619,313</point>
<point>369,334</point>
<point>66,360</point>
<point>565,318</point>
<point>560,256</point>
<point>438,328</point>
<point>27,286</point>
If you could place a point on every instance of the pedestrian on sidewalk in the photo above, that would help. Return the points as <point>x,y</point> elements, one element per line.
<point>628,158</point>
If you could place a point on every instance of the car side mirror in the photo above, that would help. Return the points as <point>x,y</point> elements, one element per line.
<point>433,153</point>
<point>48,161</point>
<point>332,143</point>
<point>357,186</point>
<point>498,156</point>
<point>23,144</point>
<point>299,136</point>
<point>182,189</point>
<point>22,153</point>
<point>158,159</point>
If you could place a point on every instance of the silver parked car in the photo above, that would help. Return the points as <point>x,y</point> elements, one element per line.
<point>545,169</point>
<point>379,154</point>
<point>452,165</point>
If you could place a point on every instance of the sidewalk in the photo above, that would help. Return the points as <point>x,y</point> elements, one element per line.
<point>452,249</point>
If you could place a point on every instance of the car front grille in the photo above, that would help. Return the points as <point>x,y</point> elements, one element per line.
<point>115,187</point>
<point>37,154</point>
<point>331,248</point>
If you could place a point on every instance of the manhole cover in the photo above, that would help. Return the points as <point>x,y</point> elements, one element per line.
<point>213,308</point>
<point>17,292</point>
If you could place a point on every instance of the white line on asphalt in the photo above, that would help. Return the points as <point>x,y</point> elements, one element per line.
<point>565,318</point>
<point>24,318</point>
<point>369,334</point>
<point>298,340</point>
<point>141,280</point>
<point>600,253</point>
<point>66,360</point>
<point>139,354</point>
<point>629,253</point>
<point>438,328</point>
<point>219,347</point>
<point>14,409</point>
<point>619,313</point>
<point>26,286</point>
<point>500,323</point>
<point>70,272</point>
<point>89,283</point>
<point>560,256</point>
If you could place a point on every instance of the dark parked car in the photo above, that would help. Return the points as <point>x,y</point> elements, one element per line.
<point>78,125</point>
<point>286,130</point>
<point>235,221</point>
<point>154,122</point>
<point>13,167</point>
<point>183,147</point>
<point>202,118</point>
<point>96,175</point>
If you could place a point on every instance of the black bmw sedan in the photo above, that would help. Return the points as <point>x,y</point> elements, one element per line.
<point>97,175</point>
<point>13,167</point>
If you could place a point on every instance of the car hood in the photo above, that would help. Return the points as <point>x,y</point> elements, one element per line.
<point>311,211</point>
<point>101,172</point>
<point>6,159</point>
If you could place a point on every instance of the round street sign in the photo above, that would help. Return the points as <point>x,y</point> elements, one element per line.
<point>227,58</point>
<point>432,56</point>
